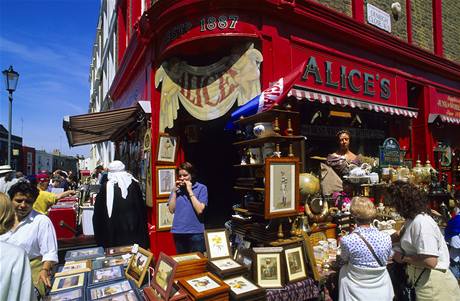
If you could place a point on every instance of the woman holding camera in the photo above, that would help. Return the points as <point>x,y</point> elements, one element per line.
<point>187,202</point>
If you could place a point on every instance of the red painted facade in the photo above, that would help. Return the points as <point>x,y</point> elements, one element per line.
<point>364,62</point>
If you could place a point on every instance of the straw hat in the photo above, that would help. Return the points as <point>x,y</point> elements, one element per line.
<point>4,169</point>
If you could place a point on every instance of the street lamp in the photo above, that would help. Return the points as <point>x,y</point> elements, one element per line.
<point>11,81</point>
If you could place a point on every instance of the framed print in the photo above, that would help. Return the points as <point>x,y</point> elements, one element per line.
<point>115,251</point>
<point>110,262</point>
<point>241,287</point>
<point>108,274</point>
<point>268,267</point>
<point>308,248</point>
<point>204,285</point>
<point>68,282</point>
<point>74,295</point>
<point>82,254</point>
<point>74,267</point>
<point>164,217</point>
<point>138,266</point>
<point>226,264</point>
<point>295,261</point>
<point>130,295</point>
<point>109,290</point>
<point>217,244</point>
<point>163,277</point>
<point>281,187</point>
<point>188,257</point>
<point>166,180</point>
<point>167,149</point>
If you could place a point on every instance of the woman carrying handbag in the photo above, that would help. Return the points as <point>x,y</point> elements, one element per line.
<point>422,247</point>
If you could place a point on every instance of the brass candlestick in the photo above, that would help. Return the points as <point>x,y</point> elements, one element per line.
<point>289,130</point>
<point>276,125</point>
<point>280,232</point>
<point>291,152</point>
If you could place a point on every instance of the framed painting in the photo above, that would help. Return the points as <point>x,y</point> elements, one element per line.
<point>110,262</point>
<point>308,248</point>
<point>166,180</point>
<point>74,295</point>
<point>108,274</point>
<point>295,262</point>
<point>267,269</point>
<point>138,266</point>
<point>82,254</point>
<point>217,244</point>
<point>167,149</point>
<point>68,282</point>
<point>74,267</point>
<point>242,288</point>
<point>164,217</point>
<point>202,286</point>
<point>163,278</point>
<point>109,290</point>
<point>281,187</point>
<point>130,295</point>
<point>116,251</point>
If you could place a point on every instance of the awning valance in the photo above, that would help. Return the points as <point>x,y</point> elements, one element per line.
<point>352,103</point>
<point>444,118</point>
<point>101,126</point>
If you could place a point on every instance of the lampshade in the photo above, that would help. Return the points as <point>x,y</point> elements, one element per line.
<point>11,79</point>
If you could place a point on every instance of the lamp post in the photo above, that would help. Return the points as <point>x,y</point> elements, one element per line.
<point>11,81</point>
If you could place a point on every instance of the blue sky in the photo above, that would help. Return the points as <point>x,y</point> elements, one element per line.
<point>49,42</point>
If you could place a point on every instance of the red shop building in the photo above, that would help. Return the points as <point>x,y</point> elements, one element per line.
<point>196,61</point>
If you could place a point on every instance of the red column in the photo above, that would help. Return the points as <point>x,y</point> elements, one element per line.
<point>409,21</point>
<point>357,7</point>
<point>437,27</point>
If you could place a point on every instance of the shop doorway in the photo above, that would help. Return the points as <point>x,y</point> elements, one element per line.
<point>210,149</point>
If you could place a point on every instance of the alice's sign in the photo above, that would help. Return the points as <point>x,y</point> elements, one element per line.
<point>346,78</point>
<point>446,104</point>
<point>390,152</point>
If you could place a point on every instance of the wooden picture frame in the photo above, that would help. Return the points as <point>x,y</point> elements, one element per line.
<point>74,267</point>
<point>189,258</point>
<point>167,149</point>
<point>241,288</point>
<point>166,180</point>
<point>164,217</point>
<point>217,244</point>
<point>268,267</point>
<point>68,282</point>
<point>294,257</point>
<point>163,278</point>
<point>138,266</point>
<point>310,256</point>
<point>281,187</point>
<point>203,285</point>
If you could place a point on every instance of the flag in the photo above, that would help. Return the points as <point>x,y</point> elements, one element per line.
<point>268,98</point>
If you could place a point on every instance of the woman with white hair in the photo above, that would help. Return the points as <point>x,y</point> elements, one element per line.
<point>120,214</point>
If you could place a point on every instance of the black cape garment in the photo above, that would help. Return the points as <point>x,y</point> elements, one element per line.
<point>128,223</point>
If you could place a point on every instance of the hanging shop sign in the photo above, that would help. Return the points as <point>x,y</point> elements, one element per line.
<point>390,153</point>
<point>207,92</point>
<point>445,104</point>
<point>346,78</point>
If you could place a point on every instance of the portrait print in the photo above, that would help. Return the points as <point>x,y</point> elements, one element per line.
<point>163,275</point>
<point>268,273</point>
<point>295,263</point>
<point>282,191</point>
<point>167,149</point>
<point>163,278</point>
<point>165,218</point>
<point>166,179</point>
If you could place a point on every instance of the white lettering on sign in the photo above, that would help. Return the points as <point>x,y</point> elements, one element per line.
<point>378,17</point>
<point>221,22</point>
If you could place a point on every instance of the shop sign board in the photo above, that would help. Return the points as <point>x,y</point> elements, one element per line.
<point>378,17</point>
<point>445,104</point>
<point>334,75</point>
<point>390,152</point>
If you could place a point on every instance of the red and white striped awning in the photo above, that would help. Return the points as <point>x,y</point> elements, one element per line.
<point>353,103</point>
<point>443,118</point>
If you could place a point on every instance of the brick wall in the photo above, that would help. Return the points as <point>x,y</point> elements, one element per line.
<point>422,24</point>
<point>343,6</point>
<point>451,29</point>
<point>398,27</point>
